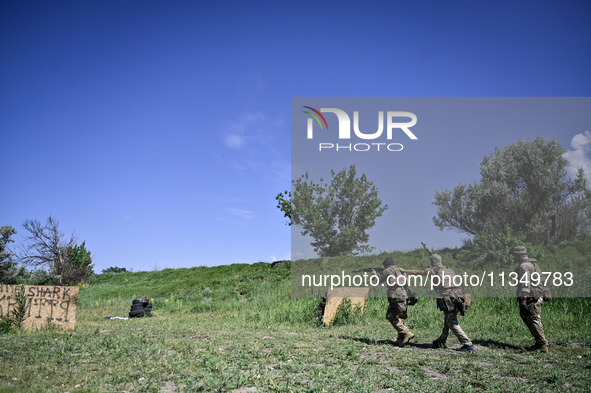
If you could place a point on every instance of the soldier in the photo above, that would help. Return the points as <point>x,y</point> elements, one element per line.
<point>397,300</point>
<point>451,301</point>
<point>530,301</point>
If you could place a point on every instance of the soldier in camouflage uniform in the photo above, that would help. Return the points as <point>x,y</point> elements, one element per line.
<point>530,305</point>
<point>397,300</point>
<point>451,301</point>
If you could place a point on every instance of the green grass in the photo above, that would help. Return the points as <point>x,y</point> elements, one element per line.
<point>247,332</point>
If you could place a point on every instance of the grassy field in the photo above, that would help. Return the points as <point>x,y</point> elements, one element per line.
<point>236,328</point>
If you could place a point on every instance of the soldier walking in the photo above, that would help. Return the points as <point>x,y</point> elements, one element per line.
<point>397,300</point>
<point>530,297</point>
<point>451,301</point>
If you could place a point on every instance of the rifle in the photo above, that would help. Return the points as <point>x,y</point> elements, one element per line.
<point>408,271</point>
<point>425,247</point>
<point>378,270</point>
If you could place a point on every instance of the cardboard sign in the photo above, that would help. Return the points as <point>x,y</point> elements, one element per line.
<point>45,304</point>
<point>358,297</point>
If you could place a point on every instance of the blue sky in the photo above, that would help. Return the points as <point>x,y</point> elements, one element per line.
<point>160,132</point>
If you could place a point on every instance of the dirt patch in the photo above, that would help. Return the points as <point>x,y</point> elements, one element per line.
<point>394,369</point>
<point>245,389</point>
<point>576,345</point>
<point>105,331</point>
<point>373,355</point>
<point>433,374</point>
<point>168,387</point>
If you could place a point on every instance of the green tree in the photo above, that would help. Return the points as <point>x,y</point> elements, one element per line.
<point>284,204</point>
<point>336,215</point>
<point>77,267</point>
<point>8,266</point>
<point>523,186</point>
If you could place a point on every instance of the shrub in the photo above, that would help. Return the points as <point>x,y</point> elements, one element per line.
<point>40,277</point>
<point>114,270</point>
<point>347,313</point>
<point>14,319</point>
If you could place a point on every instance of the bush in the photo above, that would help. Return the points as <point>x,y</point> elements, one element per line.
<point>40,277</point>
<point>347,313</point>
<point>14,319</point>
<point>114,270</point>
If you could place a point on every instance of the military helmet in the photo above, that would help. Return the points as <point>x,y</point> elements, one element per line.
<point>519,250</point>
<point>388,262</point>
<point>435,260</point>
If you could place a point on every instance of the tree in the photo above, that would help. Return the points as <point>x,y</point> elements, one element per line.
<point>68,262</point>
<point>284,204</point>
<point>77,267</point>
<point>8,266</point>
<point>336,215</point>
<point>523,186</point>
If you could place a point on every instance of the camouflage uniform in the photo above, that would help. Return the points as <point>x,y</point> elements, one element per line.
<point>530,307</point>
<point>397,301</point>
<point>448,302</point>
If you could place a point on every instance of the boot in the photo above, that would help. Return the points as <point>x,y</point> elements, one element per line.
<point>405,339</point>
<point>439,344</point>
<point>467,348</point>
<point>539,347</point>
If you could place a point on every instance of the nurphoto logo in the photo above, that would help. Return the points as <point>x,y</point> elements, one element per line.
<point>344,131</point>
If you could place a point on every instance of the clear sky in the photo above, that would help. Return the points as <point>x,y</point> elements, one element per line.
<point>160,131</point>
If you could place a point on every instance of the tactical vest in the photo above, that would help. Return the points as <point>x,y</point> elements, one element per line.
<point>393,271</point>
<point>403,293</point>
<point>537,290</point>
<point>449,274</point>
<point>452,298</point>
<point>446,285</point>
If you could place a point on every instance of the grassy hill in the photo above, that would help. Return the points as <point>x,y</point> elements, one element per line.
<point>236,328</point>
